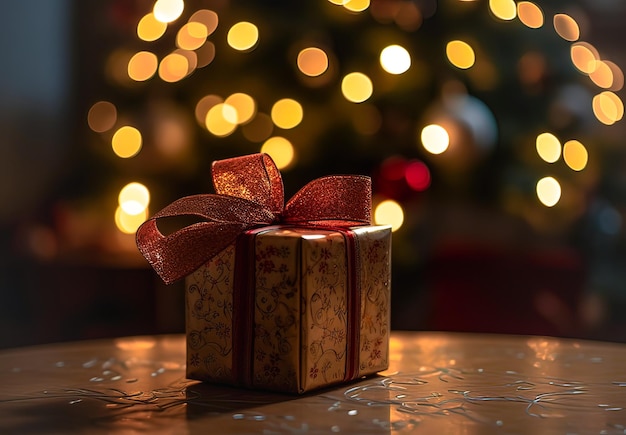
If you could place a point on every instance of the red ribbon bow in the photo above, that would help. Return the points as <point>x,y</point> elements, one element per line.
<point>249,194</point>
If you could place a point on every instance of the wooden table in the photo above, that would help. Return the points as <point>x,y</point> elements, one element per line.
<point>441,383</point>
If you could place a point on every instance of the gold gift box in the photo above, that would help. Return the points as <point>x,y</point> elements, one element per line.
<point>311,309</point>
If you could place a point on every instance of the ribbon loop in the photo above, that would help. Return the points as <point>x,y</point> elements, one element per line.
<point>249,194</point>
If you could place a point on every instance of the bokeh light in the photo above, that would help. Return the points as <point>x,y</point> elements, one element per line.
<point>312,61</point>
<point>204,105</point>
<point>126,142</point>
<point>548,147</point>
<point>395,59</point>
<point>608,107</point>
<point>281,151</point>
<point>389,212</point>
<point>566,27</point>
<point>128,223</point>
<point>530,14</point>
<point>150,29</point>
<point>460,54</point>
<point>417,175</point>
<point>167,11</point>
<point>287,113</point>
<point>221,119</point>
<point>191,36</point>
<point>244,105</point>
<point>356,87</point>
<point>142,66</point>
<point>102,116</point>
<point>173,67</point>
<point>243,36</point>
<point>602,75</point>
<point>548,191</point>
<point>435,139</point>
<point>356,5</point>
<point>134,198</point>
<point>584,56</point>
<point>503,9</point>
<point>575,155</point>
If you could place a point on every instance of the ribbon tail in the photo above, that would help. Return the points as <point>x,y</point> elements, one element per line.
<point>180,253</point>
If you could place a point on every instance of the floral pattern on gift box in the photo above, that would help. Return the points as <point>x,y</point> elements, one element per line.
<point>209,317</point>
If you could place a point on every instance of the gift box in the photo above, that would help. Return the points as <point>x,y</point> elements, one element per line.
<point>279,297</point>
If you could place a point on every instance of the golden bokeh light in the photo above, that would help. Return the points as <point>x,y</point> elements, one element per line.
<point>192,59</point>
<point>167,11</point>
<point>530,14</point>
<point>259,129</point>
<point>395,59</point>
<point>608,107</point>
<point>356,5</point>
<point>460,54</point>
<point>191,36</point>
<point>312,61</point>
<point>548,191</point>
<point>221,120</point>
<point>548,147</point>
<point>205,54</point>
<point>134,198</point>
<point>435,139</point>
<point>150,29</point>
<point>389,212</point>
<point>281,151</point>
<point>287,113</point>
<point>566,27</point>
<point>173,67</point>
<point>102,116</point>
<point>618,76</point>
<point>243,36</point>
<point>575,155</point>
<point>126,142</point>
<point>584,56</point>
<point>204,105</point>
<point>142,66</point>
<point>602,75</point>
<point>356,87</point>
<point>207,17</point>
<point>244,104</point>
<point>128,223</point>
<point>503,9</point>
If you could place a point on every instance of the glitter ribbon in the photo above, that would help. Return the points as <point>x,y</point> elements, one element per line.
<point>249,194</point>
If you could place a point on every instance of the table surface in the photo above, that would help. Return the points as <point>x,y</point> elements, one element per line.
<point>444,383</point>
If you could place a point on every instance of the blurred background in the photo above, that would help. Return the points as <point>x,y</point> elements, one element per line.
<point>492,130</point>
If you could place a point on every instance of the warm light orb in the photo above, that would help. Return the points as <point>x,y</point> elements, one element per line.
<point>395,59</point>
<point>221,120</point>
<point>167,11</point>
<point>608,107</point>
<point>435,139</point>
<point>389,212</point>
<point>133,198</point>
<point>207,17</point>
<point>287,113</point>
<point>280,149</point>
<point>530,14</point>
<point>129,223</point>
<point>602,75</point>
<point>548,191</point>
<point>356,87</point>
<point>102,116</point>
<point>191,36</point>
<point>503,9</point>
<point>460,54</point>
<point>356,5</point>
<point>204,105</point>
<point>150,29</point>
<point>312,61</point>
<point>243,36</point>
<point>142,66</point>
<point>244,105</point>
<point>548,147</point>
<point>566,27</point>
<point>173,67</point>
<point>584,56</point>
<point>126,142</point>
<point>575,155</point>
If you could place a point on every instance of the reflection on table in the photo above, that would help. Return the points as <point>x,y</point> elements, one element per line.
<point>437,383</point>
